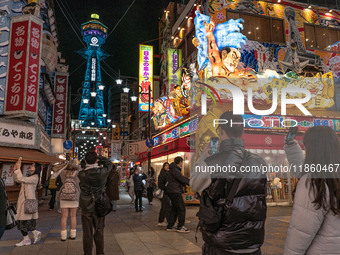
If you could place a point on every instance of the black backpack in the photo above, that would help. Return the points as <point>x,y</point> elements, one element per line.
<point>210,216</point>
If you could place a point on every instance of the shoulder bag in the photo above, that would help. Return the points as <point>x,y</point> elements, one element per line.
<point>30,205</point>
<point>210,216</point>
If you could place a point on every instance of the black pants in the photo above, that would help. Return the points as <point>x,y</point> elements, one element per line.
<point>165,211</point>
<point>138,200</point>
<point>150,194</point>
<point>211,250</point>
<point>93,230</point>
<point>52,201</point>
<point>177,210</point>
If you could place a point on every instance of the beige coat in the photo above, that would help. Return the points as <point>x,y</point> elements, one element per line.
<point>28,185</point>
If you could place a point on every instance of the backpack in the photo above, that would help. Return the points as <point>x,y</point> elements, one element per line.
<point>210,216</point>
<point>69,190</point>
<point>52,183</point>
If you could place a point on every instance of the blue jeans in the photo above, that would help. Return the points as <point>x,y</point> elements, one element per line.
<point>2,231</point>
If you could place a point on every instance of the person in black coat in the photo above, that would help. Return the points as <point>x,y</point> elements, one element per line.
<point>241,230</point>
<point>3,202</point>
<point>138,178</point>
<point>164,213</point>
<point>176,182</point>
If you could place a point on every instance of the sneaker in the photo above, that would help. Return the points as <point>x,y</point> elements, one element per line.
<point>59,211</point>
<point>37,236</point>
<point>161,224</point>
<point>183,230</point>
<point>24,242</point>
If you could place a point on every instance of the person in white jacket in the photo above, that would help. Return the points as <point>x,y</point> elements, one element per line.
<point>131,186</point>
<point>27,222</point>
<point>314,226</point>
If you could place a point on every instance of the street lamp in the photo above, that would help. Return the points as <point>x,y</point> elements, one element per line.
<point>83,131</point>
<point>85,101</point>
<point>93,94</point>
<point>109,120</point>
<point>133,98</point>
<point>104,115</point>
<point>126,90</point>
<point>113,125</point>
<point>92,123</point>
<point>101,87</point>
<point>119,81</point>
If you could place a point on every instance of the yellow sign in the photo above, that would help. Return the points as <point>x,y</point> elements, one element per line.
<point>145,76</point>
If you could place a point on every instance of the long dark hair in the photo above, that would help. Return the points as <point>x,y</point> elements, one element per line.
<point>151,171</point>
<point>323,148</point>
<point>37,169</point>
<point>166,163</point>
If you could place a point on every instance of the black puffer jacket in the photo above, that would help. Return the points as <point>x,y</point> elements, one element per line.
<point>163,179</point>
<point>176,180</point>
<point>243,224</point>
<point>138,181</point>
<point>93,179</point>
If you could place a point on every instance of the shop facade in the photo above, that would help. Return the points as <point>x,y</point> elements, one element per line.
<point>29,90</point>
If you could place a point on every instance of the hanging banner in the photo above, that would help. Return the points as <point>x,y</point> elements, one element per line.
<point>24,69</point>
<point>145,76</point>
<point>174,62</point>
<point>60,106</point>
<point>124,113</point>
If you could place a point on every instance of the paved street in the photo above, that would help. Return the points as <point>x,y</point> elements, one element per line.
<point>131,233</point>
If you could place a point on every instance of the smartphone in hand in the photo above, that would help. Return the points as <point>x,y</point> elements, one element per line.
<point>291,135</point>
<point>214,145</point>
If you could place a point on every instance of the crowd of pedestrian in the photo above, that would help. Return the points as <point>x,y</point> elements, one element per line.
<point>232,211</point>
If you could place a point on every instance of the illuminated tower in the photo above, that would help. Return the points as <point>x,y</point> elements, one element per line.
<point>92,105</point>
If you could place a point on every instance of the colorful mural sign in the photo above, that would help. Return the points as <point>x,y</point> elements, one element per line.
<point>145,76</point>
<point>184,129</point>
<point>284,122</point>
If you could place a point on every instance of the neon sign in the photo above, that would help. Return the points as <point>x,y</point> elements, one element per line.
<point>174,62</point>
<point>145,76</point>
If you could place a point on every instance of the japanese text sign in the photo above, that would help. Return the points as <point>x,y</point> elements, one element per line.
<point>24,66</point>
<point>145,76</point>
<point>17,134</point>
<point>174,62</point>
<point>60,106</point>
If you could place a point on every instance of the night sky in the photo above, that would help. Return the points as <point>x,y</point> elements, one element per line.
<point>139,25</point>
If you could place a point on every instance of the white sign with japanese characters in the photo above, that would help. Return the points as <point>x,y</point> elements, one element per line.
<point>8,174</point>
<point>17,134</point>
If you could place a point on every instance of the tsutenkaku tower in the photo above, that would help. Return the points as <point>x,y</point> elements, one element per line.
<point>92,104</point>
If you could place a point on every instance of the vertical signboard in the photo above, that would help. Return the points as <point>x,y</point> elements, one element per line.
<point>60,105</point>
<point>93,69</point>
<point>145,76</point>
<point>174,62</point>
<point>23,66</point>
<point>124,113</point>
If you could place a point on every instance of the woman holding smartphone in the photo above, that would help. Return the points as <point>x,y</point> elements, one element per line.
<point>27,221</point>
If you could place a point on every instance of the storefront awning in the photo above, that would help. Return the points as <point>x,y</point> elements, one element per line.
<point>12,154</point>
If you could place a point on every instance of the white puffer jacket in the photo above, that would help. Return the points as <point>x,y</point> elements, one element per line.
<point>311,231</point>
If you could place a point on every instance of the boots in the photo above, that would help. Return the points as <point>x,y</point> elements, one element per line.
<point>73,234</point>
<point>63,235</point>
